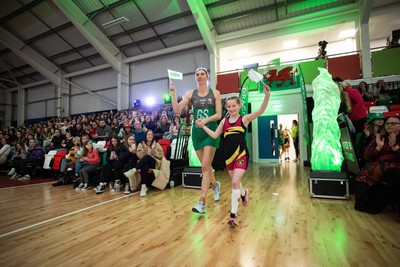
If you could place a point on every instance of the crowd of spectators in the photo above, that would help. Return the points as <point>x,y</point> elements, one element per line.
<point>31,143</point>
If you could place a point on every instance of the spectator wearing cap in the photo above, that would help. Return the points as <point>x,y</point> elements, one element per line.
<point>127,129</point>
<point>374,126</point>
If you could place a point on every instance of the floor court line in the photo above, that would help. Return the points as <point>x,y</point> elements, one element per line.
<point>25,185</point>
<point>64,215</point>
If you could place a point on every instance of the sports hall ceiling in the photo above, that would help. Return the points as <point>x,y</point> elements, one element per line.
<point>54,31</point>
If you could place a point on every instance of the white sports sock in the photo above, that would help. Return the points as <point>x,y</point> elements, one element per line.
<point>235,200</point>
<point>242,192</point>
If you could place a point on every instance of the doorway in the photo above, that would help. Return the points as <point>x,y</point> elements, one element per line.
<point>269,134</point>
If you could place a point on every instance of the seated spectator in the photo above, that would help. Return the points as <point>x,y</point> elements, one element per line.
<point>57,141</point>
<point>186,128</point>
<point>358,113</point>
<point>91,157</point>
<point>363,89</point>
<point>78,154</point>
<point>46,137</point>
<point>382,91</point>
<point>38,136</point>
<point>5,151</point>
<point>113,169</point>
<point>162,127</point>
<point>150,154</point>
<point>139,133</point>
<point>148,123</point>
<point>103,132</point>
<point>34,158</point>
<point>374,126</point>
<point>378,182</point>
<point>18,155</point>
<point>76,130</point>
<point>130,160</point>
<point>68,161</point>
<point>127,129</point>
<point>174,128</point>
<point>92,129</point>
<point>69,143</point>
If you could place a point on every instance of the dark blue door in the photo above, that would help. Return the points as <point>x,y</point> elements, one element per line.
<point>268,137</point>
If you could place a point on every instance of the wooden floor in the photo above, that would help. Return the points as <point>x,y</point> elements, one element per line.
<point>45,226</point>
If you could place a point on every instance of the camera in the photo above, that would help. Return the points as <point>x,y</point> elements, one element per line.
<point>322,44</point>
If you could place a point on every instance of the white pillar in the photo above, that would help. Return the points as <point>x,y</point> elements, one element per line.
<point>213,71</point>
<point>8,108</point>
<point>364,45</point>
<point>62,109</point>
<point>21,106</point>
<point>123,87</point>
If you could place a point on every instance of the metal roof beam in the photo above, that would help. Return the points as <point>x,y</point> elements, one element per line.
<point>26,53</point>
<point>204,23</point>
<point>93,34</point>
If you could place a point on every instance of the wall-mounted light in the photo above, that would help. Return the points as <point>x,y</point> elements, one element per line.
<point>290,43</point>
<point>347,33</point>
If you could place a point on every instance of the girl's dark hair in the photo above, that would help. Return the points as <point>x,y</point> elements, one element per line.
<point>116,148</point>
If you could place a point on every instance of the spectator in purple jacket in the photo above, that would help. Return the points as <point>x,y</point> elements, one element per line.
<point>34,157</point>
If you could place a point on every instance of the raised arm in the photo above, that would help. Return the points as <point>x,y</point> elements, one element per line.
<point>252,116</point>
<point>177,107</point>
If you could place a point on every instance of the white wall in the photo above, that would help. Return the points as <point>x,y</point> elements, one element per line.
<point>40,101</point>
<point>102,83</point>
<point>349,45</point>
<point>150,77</point>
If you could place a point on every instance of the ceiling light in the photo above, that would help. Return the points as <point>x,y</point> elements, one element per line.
<point>290,43</point>
<point>114,22</point>
<point>347,33</point>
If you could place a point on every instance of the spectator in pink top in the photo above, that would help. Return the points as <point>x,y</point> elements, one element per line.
<point>358,112</point>
<point>91,156</point>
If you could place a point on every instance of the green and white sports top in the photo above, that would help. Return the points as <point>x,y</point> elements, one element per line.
<point>203,107</point>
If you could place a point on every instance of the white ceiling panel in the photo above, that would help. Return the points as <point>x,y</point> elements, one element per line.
<point>73,36</point>
<point>46,14</point>
<point>64,59</point>
<point>144,34</point>
<point>159,9</point>
<point>88,51</point>
<point>12,59</point>
<point>132,51</point>
<point>50,45</point>
<point>8,6</point>
<point>97,61</point>
<point>122,40</point>
<point>152,46</point>
<point>78,66</point>
<point>88,6</point>
<point>175,24</point>
<point>180,38</point>
<point>25,26</point>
